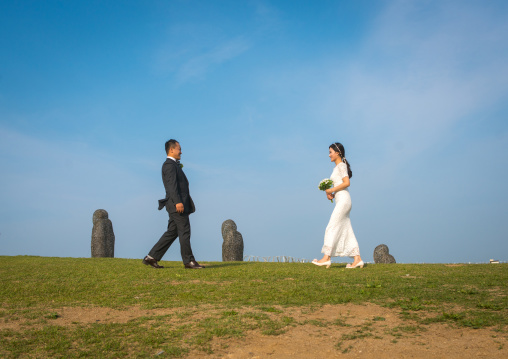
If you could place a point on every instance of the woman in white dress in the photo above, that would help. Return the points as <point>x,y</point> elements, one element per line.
<point>340,239</point>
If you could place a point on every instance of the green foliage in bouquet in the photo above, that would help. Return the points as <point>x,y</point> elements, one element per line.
<point>326,184</point>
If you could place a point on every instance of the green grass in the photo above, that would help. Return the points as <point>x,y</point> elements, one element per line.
<point>238,296</point>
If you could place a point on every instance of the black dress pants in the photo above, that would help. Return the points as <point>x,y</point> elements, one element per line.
<point>178,226</point>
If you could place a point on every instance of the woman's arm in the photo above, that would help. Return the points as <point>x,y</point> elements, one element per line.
<point>343,185</point>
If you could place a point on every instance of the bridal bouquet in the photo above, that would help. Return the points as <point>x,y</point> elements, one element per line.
<point>326,184</point>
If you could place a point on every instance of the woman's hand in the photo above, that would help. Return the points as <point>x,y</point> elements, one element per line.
<point>329,191</point>
<point>330,196</point>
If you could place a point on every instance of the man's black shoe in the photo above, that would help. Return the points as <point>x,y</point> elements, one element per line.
<point>151,262</point>
<point>193,265</point>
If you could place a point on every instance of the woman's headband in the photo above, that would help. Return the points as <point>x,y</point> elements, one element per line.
<point>340,153</point>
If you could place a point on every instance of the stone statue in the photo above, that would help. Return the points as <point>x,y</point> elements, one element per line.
<point>381,255</point>
<point>103,238</point>
<point>232,248</point>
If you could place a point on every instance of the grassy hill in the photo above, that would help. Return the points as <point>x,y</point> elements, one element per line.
<point>225,300</point>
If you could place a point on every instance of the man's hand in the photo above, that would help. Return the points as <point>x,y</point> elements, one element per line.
<point>179,207</point>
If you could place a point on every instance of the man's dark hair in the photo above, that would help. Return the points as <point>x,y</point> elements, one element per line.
<point>170,144</point>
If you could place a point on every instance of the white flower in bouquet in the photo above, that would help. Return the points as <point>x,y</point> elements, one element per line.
<point>326,184</point>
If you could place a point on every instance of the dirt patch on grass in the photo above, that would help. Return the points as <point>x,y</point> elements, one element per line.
<point>361,331</point>
<point>330,331</point>
<point>438,341</point>
<point>67,316</point>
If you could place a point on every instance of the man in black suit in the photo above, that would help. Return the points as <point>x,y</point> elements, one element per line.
<point>179,205</point>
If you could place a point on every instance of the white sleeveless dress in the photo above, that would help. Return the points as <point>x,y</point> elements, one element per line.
<point>340,239</point>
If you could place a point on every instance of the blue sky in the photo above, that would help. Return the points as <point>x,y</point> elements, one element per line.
<point>256,91</point>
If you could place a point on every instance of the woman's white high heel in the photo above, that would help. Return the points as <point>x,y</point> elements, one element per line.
<point>359,264</point>
<point>327,263</point>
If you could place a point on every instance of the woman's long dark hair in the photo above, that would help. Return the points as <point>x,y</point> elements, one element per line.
<point>337,147</point>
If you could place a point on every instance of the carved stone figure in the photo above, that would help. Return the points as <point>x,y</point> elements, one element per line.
<point>232,247</point>
<point>381,255</point>
<point>103,238</point>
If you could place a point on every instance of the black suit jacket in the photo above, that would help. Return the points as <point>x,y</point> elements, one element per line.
<point>177,188</point>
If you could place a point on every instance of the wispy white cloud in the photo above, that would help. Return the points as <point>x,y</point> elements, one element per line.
<point>196,66</point>
<point>192,49</point>
<point>421,71</point>
<point>268,16</point>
